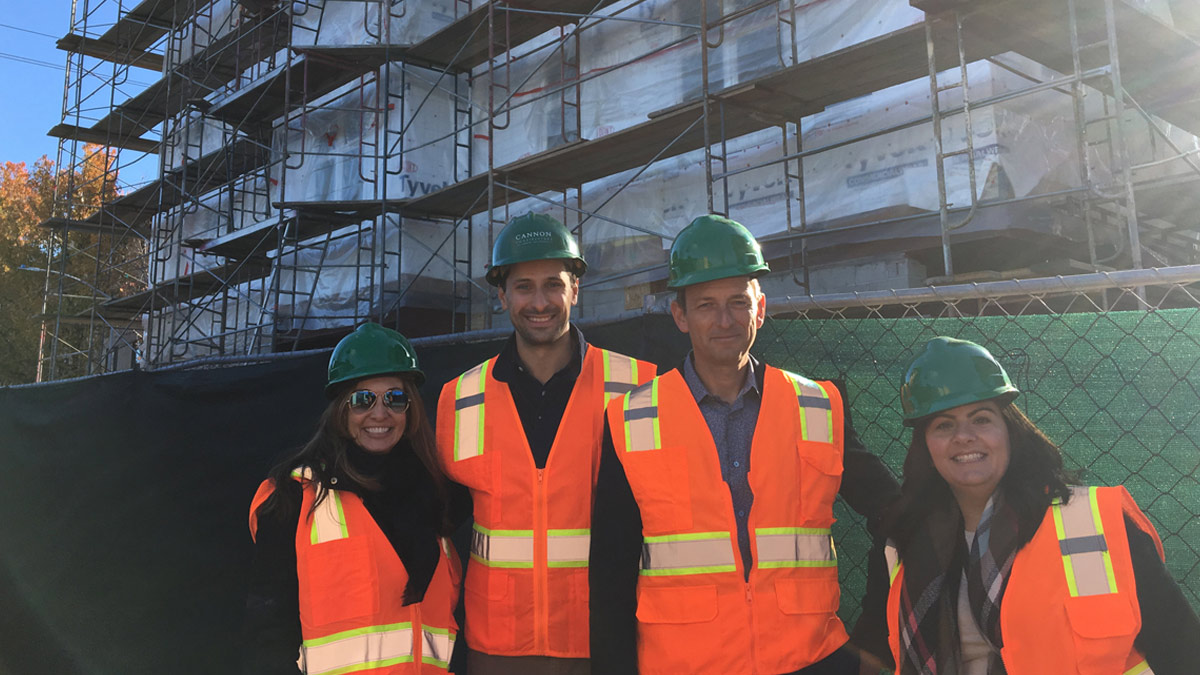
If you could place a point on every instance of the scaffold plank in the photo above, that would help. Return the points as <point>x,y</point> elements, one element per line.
<point>101,227</point>
<point>110,51</point>
<point>187,287</point>
<point>318,71</point>
<point>103,137</point>
<point>147,22</point>
<point>193,179</point>
<point>303,221</point>
<point>462,45</point>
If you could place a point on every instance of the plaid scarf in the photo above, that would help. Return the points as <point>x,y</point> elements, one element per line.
<point>933,565</point>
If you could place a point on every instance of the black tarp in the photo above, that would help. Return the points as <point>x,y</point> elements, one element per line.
<point>125,547</point>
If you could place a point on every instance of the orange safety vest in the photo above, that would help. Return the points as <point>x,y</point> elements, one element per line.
<point>527,581</point>
<point>351,588</point>
<point>696,613</point>
<point>1071,603</point>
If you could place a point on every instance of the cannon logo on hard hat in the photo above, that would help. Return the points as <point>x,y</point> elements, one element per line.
<point>535,237</point>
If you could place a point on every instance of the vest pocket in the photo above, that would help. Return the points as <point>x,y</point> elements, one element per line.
<point>807,596</point>
<point>677,604</point>
<point>1104,627</point>
<point>341,581</point>
<point>820,478</point>
<point>662,487</point>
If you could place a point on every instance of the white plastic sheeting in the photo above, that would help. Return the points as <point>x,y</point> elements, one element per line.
<point>365,144</point>
<point>240,204</point>
<point>387,261</point>
<point>357,22</point>
<point>193,136</point>
<point>235,322</point>
<point>644,67</point>
<point>210,22</point>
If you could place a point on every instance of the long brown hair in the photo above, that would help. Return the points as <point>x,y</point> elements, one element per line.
<point>327,454</point>
<point>1035,476</point>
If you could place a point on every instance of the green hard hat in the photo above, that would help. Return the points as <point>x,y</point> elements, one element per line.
<point>369,351</point>
<point>534,236</point>
<point>712,247</point>
<point>950,373</point>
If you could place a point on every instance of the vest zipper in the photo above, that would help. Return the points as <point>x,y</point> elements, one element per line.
<point>750,608</point>
<point>541,608</point>
<point>418,633</point>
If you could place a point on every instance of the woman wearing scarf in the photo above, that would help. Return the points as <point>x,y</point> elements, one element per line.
<point>352,571</point>
<point>995,563</point>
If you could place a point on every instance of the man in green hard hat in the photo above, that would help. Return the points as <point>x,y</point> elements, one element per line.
<point>711,547</point>
<point>522,432</point>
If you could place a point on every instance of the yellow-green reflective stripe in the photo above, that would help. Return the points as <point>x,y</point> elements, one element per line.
<point>641,418</point>
<point>816,410</point>
<point>1142,668</point>
<point>794,547</point>
<point>687,553</point>
<point>620,374</point>
<point>368,665</point>
<point>468,412</point>
<point>329,519</point>
<point>437,645</point>
<point>356,650</point>
<point>568,548</point>
<point>713,569</point>
<point>502,548</point>
<point>1084,549</point>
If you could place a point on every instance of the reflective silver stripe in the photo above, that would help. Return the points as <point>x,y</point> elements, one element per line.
<point>502,548</point>
<point>329,519</point>
<point>620,374</point>
<point>1086,561</point>
<point>641,418</point>
<point>688,553</point>
<point>816,410</point>
<point>436,647</point>
<point>892,556</point>
<point>359,649</point>
<point>795,547</point>
<point>568,548</point>
<point>468,412</point>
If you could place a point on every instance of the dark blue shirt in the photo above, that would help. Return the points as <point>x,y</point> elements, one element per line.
<point>732,429</point>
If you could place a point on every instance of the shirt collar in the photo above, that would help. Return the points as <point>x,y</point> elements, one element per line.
<point>699,391</point>
<point>508,361</point>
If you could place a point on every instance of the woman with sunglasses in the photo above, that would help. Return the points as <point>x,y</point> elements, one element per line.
<point>997,564</point>
<point>352,568</point>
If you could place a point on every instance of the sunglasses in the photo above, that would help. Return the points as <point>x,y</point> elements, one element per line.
<point>363,400</point>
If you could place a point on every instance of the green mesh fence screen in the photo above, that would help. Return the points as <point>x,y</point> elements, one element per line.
<point>1119,391</point>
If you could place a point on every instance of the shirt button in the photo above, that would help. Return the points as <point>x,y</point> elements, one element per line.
<point>539,417</point>
<point>737,464</point>
<point>741,514</point>
<point>543,392</point>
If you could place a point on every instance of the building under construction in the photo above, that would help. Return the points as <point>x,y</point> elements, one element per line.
<point>315,163</point>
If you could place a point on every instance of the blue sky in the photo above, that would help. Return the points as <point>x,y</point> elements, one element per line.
<point>31,69</point>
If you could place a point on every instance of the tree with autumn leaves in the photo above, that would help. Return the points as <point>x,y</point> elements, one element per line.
<point>89,266</point>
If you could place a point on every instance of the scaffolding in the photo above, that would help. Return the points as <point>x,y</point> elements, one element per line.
<point>324,162</point>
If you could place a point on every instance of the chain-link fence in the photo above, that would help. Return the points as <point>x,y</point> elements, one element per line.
<point>1108,366</point>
